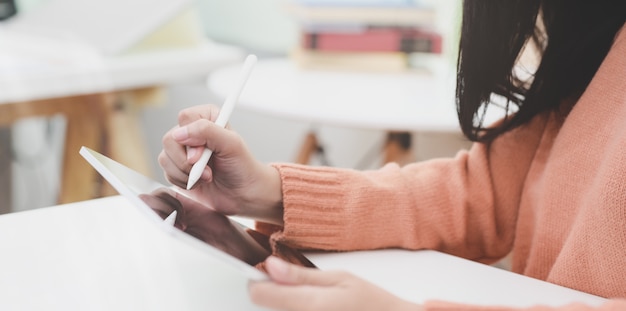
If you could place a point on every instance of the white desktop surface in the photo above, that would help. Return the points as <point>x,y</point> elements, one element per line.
<point>104,255</point>
<point>33,68</point>
<point>385,101</point>
<point>419,276</point>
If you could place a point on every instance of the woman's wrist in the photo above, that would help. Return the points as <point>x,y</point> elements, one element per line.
<point>274,196</point>
<point>265,201</point>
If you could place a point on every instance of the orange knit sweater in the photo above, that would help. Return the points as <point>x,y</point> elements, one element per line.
<point>552,191</point>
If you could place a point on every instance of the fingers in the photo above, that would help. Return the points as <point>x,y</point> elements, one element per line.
<point>172,173</point>
<point>204,133</point>
<point>194,153</point>
<point>297,288</point>
<point>189,115</point>
<point>286,273</point>
<point>283,297</point>
<point>183,145</point>
<point>173,160</point>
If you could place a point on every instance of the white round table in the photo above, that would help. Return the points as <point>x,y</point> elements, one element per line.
<point>399,103</point>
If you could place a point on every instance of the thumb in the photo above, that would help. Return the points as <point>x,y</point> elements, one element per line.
<point>283,272</point>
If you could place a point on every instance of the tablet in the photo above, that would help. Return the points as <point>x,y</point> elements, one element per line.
<point>192,222</point>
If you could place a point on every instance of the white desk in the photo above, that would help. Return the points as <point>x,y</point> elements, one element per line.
<point>33,68</point>
<point>385,101</point>
<point>97,95</point>
<point>104,255</point>
<point>395,102</point>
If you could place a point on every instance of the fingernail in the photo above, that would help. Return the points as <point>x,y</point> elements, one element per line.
<point>191,152</point>
<point>180,133</point>
<point>278,266</point>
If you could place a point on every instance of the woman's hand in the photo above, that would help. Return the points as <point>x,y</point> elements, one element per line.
<point>233,182</point>
<point>297,288</point>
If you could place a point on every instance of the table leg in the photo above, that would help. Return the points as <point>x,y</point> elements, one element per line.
<point>126,142</point>
<point>398,148</point>
<point>6,188</point>
<point>87,120</point>
<point>308,148</point>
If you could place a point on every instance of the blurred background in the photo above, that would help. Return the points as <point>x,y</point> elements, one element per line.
<point>33,159</point>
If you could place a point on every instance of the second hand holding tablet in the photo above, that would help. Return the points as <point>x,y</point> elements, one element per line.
<point>222,119</point>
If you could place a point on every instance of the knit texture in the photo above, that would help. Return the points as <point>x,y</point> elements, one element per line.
<point>552,191</point>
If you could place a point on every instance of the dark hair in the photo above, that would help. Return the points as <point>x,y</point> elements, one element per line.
<point>578,35</point>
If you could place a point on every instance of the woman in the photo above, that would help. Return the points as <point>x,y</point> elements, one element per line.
<point>546,183</point>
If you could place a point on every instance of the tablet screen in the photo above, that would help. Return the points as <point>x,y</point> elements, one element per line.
<point>217,232</point>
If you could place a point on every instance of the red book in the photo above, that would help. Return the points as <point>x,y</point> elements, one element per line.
<point>374,40</point>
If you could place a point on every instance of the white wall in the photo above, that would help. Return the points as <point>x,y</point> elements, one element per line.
<point>259,25</point>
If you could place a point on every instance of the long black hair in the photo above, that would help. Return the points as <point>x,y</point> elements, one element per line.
<point>578,35</point>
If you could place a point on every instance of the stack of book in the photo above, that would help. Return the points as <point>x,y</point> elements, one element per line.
<point>369,35</point>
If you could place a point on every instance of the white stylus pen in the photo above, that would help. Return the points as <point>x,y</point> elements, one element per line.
<point>171,219</point>
<point>222,119</point>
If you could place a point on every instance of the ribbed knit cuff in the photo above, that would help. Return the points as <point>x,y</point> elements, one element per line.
<point>312,211</point>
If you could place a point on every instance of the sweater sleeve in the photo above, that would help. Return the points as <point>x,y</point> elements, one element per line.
<point>466,205</point>
<point>610,305</point>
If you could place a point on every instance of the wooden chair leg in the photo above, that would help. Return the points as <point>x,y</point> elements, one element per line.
<point>126,142</point>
